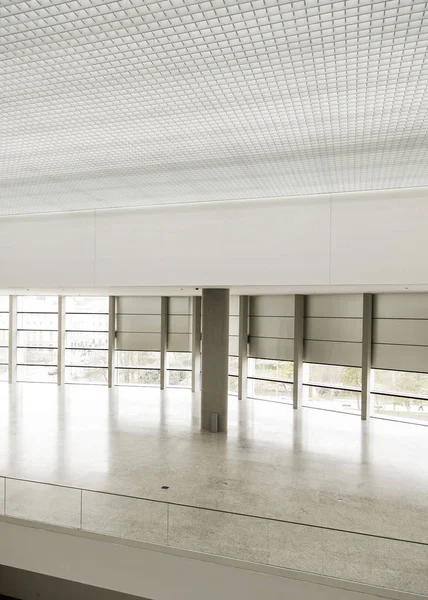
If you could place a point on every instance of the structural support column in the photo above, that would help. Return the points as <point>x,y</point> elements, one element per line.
<point>243,347</point>
<point>215,359</point>
<point>299,334</point>
<point>367,355</point>
<point>61,340</point>
<point>111,339</point>
<point>12,337</point>
<point>164,342</point>
<point>196,343</point>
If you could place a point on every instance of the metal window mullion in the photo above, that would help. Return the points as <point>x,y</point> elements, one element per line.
<point>299,324</point>
<point>164,341</point>
<point>243,347</point>
<point>111,363</point>
<point>366,355</point>
<point>196,343</point>
<point>61,340</point>
<point>12,338</point>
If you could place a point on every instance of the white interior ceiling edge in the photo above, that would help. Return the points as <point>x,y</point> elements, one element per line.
<point>118,104</point>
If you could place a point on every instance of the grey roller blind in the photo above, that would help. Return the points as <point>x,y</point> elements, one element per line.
<point>179,324</point>
<point>138,323</point>
<point>271,327</point>
<point>334,329</point>
<point>234,326</point>
<point>400,332</point>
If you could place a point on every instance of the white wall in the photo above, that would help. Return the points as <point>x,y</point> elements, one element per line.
<point>371,238</point>
<point>159,575</point>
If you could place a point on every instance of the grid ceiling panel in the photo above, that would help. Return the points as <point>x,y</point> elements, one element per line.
<point>129,103</point>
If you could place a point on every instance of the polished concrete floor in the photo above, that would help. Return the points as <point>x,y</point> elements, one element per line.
<point>309,466</point>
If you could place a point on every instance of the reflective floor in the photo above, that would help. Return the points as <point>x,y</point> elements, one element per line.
<point>310,466</point>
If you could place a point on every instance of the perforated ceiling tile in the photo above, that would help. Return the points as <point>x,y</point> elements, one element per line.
<point>125,103</point>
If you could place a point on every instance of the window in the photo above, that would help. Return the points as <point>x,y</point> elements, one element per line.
<point>179,366</point>
<point>86,339</point>
<point>4,338</point>
<point>135,367</point>
<point>270,380</point>
<point>233,375</point>
<point>332,387</point>
<point>399,395</point>
<point>37,339</point>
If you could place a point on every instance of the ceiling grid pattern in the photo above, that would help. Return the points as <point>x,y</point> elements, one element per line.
<point>131,103</point>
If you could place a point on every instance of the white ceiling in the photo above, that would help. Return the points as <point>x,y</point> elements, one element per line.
<point>132,102</point>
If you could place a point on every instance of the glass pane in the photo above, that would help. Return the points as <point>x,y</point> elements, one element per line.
<point>4,373</point>
<point>37,321</point>
<point>135,358</point>
<point>41,339</point>
<point>86,322</point>
<point>400,382</point>
<point>90,358</point>
<point>86,304</point>
<point>233,365</point>
<point>37,356</point>
<point>270,390</point>
<point>4,338</point>
<point>4,321</point>
<point>270,369</point>
<point>332,375</point>
<point>83,339</point>
<point>179,360</point>
<point>137,377</point>
<point>329,399</point>
<point>85,375</point>
<point>402,408</point>
<point>233,385</point>
<point>180,379</point>
<point>39,374</point>
<point>4,303</point>
<point>4,356</point>
<point>37,304</point>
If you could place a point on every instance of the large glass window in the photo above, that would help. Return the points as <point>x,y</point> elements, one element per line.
<point>399,395</point>
<point>332,387</point>
<point>86,339</point>
<point>134,367</point>
<point>233,375</point>
<point>37,338</point>
<point>4,338</point>
<point>270,380</point>
<point>179,366</point>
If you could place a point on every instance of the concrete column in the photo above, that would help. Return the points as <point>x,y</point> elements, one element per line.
<point>61,340</point>
<point>299,325</point>
<point>215,357</point>
<point>243,347</point>
<point>111,340</point>
<point>196,343</point>
<point>164,342</point>
<point>12,337</point>
<point>366,355</point>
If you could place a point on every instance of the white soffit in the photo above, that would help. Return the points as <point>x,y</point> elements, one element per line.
<point>130,103</point>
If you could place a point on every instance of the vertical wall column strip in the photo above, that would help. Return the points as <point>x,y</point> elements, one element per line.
<point>243,347</point>
<point>196,343</point>
<point>61,340</point>
<point>12,338</point>
<point>366,355</point>
<point>111,340</point>
<point>164,342</point>
<point>299,324</point>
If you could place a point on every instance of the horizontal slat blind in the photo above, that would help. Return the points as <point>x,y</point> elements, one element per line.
<point>272,327</point>
<point>234,326</point>
<point>334,329</point>
<point>179,324</point>
<point>138,323</point>
<point>400,332</point>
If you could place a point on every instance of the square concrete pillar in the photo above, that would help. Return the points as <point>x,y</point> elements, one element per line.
<point>215,357</point>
